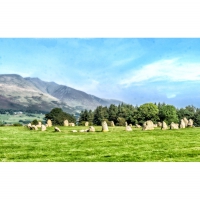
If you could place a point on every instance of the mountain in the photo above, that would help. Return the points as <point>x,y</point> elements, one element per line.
<point>17,92</point>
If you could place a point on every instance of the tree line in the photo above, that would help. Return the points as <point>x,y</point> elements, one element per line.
<point>139,114</point>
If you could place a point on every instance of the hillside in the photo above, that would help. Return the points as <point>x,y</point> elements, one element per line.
<point>17,92</point>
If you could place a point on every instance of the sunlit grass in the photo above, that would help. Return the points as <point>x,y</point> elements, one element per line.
<point>117,145</point>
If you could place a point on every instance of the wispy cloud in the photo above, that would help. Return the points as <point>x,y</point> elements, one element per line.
<point>164,70</point>
<point>122,62</point>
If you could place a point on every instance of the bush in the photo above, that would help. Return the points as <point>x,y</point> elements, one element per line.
<point>17,124</point>
<point>34,122</point>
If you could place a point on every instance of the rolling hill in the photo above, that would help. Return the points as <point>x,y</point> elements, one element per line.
<point>28,93</point>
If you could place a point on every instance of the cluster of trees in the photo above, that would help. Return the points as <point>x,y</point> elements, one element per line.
<point>139,114</point>
<point>57,116</point>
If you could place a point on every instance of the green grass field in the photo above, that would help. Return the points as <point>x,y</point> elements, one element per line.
<point>117,145</point>
<point>11,119</point>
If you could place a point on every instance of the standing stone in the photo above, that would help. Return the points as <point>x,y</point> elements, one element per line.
<point>57,129</point>
<point>148,125</point>
<point>186,121</point>
<point>49,122</point>
<point>39,124</point>
<point>66,123</point>
<point>130,125</point>
<point>155,125</point>
<point>43,128</point>
<point>182,125</point>
<point>112,123</point>
<point>29,125</point>
<point>126,124</point>
<point>159,124</point>
<point>104,126</point>
<point>91,129</point>
<point>173,126</point>
<point>71,124</point>
<point>164,126</point>
<point>190,123</point>
<point>86,123</point>
<point>128,128</point>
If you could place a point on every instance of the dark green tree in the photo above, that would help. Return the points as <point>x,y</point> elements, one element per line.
<point>34,122</point>
<point>148,111</point>
<point>168,114</point>
<point>58,116</point>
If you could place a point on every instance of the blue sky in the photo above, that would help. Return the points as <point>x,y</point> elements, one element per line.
<point>134,70</point>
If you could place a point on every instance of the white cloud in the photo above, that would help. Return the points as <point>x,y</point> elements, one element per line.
<point>122,62</point>
<point>165,70</point>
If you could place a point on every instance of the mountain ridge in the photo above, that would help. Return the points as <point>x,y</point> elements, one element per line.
<point>16,91</point>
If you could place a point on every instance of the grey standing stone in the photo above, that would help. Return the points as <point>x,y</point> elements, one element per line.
<point>112,124</point>
<point>49,122</point>
<point>91,129</point>
<point>148,125</point>
<point>104,126</point>
<point>173,126</point>
<point>66,123</point>
<point>190,123</point>
<point>128,128</point>
<point>182,125</point>
<point>43,128</point>
<point>164,126</point>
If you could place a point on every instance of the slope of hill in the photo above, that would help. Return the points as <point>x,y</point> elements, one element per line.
<point>73,97</point>
<point>17,92</point>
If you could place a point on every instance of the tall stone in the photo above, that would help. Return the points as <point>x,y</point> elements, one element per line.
<point>86,123</point>
<point>66,123</point>
<point>39,124</point>
<point>159,124</point>
<point>104,126</point>
<point>49,122</point>
<point>186,121</point>
<point>126,124</point>
<point>164,126</point>
<point>173,126</point>
<point>190,123</point>
<point>112,123</point>
<point>148,125</point>
<point>43,128</point>
<point>182,125</point>
<point>29,125</point>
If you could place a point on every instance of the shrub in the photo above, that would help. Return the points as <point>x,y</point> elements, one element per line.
<point>17,124</point>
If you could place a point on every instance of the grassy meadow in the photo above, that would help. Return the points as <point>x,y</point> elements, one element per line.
<point>11,119</point>
<point>117,145</point>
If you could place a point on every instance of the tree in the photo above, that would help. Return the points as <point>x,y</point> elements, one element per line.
<point>168,114</point>
<point>58,116</point>
<point>100,114</point>
<point>112,112</point>
<point>148,111</point>
<point>34,122</point>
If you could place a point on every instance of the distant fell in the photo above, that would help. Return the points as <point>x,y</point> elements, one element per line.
<point>17,92</point>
